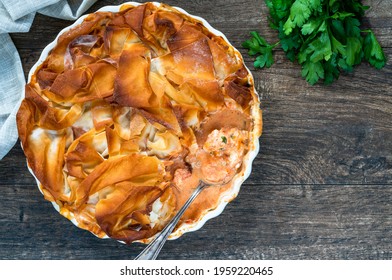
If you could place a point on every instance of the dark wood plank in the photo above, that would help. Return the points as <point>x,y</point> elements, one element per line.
<point>320,186</point>
<point>339,131</point>
<point>263,222</point>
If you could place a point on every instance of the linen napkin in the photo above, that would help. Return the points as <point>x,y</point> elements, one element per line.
<point>17,16</point>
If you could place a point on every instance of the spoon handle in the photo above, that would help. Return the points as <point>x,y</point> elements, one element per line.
<point>152,250</point>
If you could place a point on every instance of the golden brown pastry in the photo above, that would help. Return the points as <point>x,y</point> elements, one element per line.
<point>124,108</point>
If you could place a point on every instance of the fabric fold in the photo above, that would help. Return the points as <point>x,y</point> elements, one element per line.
<point>19,8</point>
<point>12,83</point>
<point>69,10</point>
<point>18,16</point>
<point>8,25</point>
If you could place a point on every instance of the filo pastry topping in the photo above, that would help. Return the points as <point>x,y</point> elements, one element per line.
<point>115,116</point>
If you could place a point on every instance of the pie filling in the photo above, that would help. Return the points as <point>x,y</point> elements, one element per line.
<point>123,110</point>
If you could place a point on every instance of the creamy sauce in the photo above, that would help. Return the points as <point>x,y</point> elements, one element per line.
<point>221,154</point>
<point>216,162</point>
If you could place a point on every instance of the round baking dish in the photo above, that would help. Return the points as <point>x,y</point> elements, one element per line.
<point>226,197</point>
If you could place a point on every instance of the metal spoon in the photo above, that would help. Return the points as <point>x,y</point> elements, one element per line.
<point>152,250</point>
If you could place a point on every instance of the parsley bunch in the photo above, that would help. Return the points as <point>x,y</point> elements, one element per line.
<point>324,36</point>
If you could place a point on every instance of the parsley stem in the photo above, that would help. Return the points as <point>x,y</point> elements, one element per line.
<point>275,45</point>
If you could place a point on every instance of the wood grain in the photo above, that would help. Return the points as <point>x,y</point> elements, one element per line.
<point>264,222</point>
<point>320,186</point>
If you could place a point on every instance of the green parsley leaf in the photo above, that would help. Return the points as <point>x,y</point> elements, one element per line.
<point>312,72</point>
<point>331,72</point>
<point>224,139</point>
<point>342,63</point>
<point>337,46</point>
<point>259,46</point>
<point>259,39</point>
<point>337,29</point>
<point>264,60</point>
<point>300,12</point>
<point>311,26</point>
<point>279,9</point>
<point>374,54</point>
<point>320,48</point>
<point>351,26</point>
<point>332,2</point>
<point>353,51</point>
<point>324,36</point>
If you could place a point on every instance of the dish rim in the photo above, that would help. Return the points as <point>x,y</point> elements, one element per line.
<point>239,178</point>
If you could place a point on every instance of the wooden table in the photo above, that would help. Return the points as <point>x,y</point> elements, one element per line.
<point>320,187</point>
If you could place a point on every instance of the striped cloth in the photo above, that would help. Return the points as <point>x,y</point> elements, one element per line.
<point>17,16</point>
